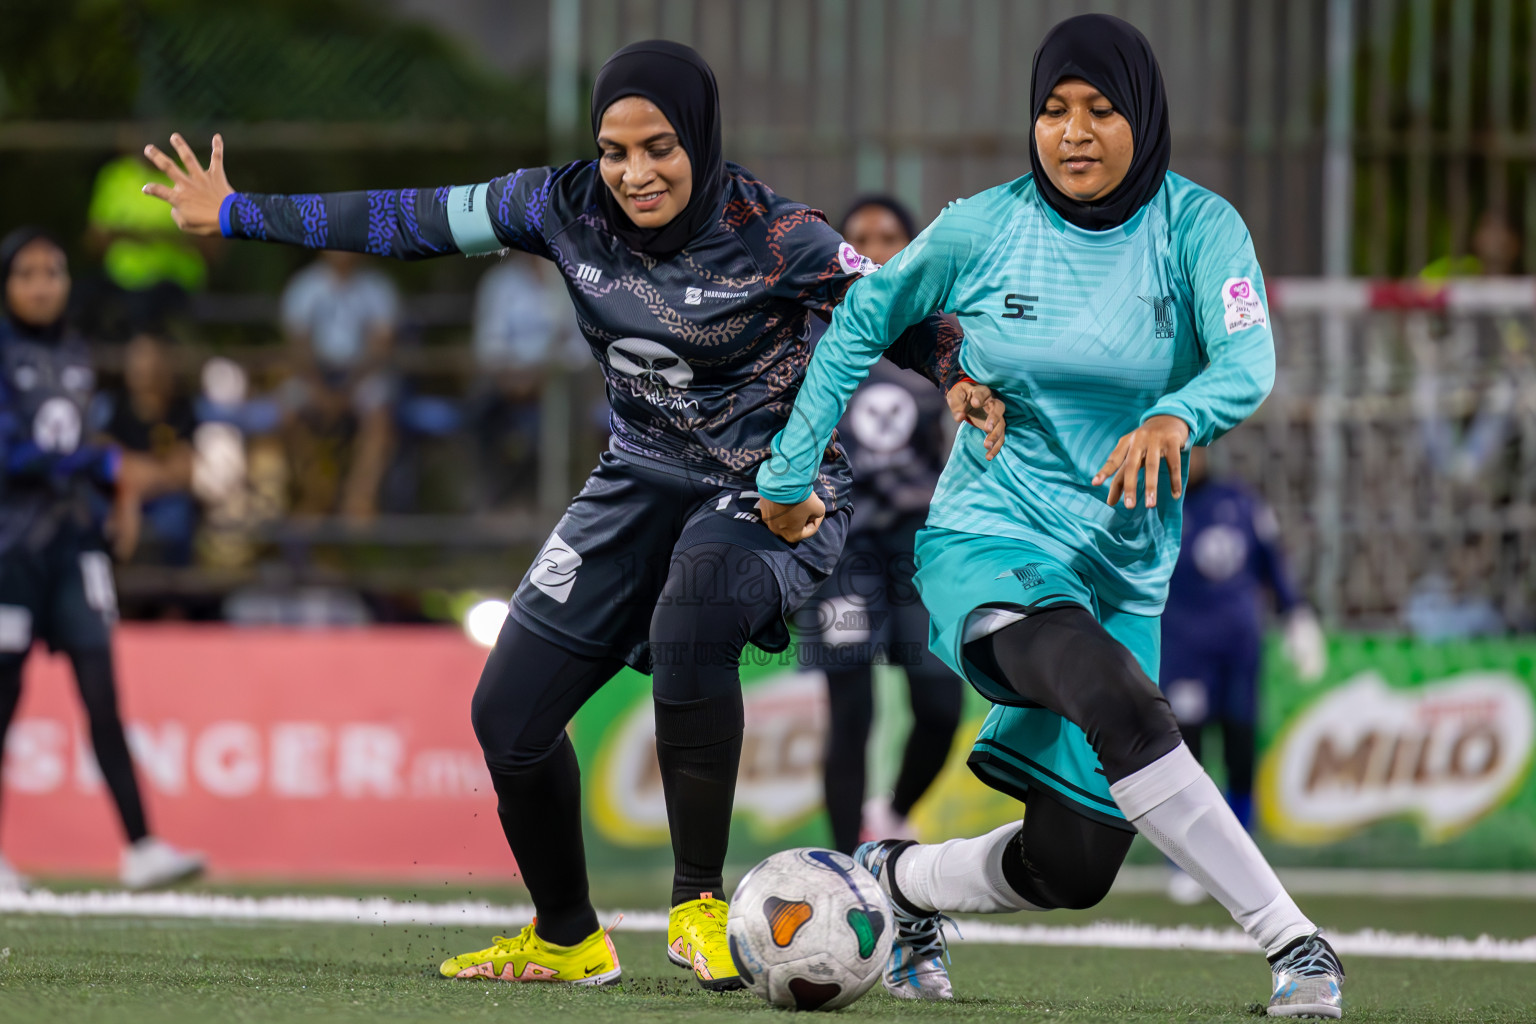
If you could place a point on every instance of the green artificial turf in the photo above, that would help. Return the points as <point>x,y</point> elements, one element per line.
<point>112,969</point>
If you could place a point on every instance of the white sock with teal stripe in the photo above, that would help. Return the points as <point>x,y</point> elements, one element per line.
<point>962,876</point>
<point>1174,803</point>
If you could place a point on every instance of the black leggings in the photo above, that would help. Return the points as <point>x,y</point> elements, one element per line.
<point>936,702</point>
<point>98,692</point>
<point>716,597</point>
<point>1062,659</point>
<point>1062,859</point>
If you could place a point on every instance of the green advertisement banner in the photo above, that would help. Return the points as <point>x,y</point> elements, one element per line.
<point>1405,755</point>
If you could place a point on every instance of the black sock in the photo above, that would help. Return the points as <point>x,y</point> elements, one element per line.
<point>716,598</point>
<point>98,690</point>
<point>548,845</point>
<point>850,710</point>
<point>698,744</point>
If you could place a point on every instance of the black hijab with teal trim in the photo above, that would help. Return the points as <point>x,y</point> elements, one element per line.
<point>682,86</point>
<point>1115,58</point>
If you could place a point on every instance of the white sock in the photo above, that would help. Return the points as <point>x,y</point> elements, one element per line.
<point>960,876</point>
<point>1174,803</point>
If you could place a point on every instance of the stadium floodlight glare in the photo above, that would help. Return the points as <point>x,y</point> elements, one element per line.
<point>483,621</point>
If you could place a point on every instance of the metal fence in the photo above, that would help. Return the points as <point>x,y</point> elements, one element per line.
<point>1399,451</point>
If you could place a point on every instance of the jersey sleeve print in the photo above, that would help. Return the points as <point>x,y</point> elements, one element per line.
<point>412,223</point>
<point>1232,314</point>
<point>874,313</point>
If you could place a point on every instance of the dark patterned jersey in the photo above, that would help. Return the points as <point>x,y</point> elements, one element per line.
<point>48,466</point>
<point>703,352</point>
<point>895,438</point>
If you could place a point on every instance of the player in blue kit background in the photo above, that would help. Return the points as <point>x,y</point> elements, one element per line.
<point>1118,310</point>
<point>701,293</point>
<point>1213,629</point>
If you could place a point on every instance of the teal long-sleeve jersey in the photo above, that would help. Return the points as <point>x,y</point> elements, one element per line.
<point>1084,335</point>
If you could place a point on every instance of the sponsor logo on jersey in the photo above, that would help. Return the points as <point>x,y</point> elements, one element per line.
<point>698,296</point>
<point>554,569</point>
<point>1243,306</point>
<point>1020,307</point>
<point>1446,753</point>
<point>852,262</point>
<point>660,371</point>
<point>883,417</point>
<point>1162,314</point>
<point>588,273</point>
<point>56,426</point>
<point>1220,552</point>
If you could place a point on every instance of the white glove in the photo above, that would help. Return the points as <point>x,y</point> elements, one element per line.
<point>1304,645</point>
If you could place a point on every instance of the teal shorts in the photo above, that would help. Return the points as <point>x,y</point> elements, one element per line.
<point>1023,747</point>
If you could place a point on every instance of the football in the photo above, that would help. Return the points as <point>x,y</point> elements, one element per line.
<point>810,929</point>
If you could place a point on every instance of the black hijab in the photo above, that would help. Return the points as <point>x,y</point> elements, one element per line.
<point>682,86</point>
<point>10,247</point>
<point>1113,57</point>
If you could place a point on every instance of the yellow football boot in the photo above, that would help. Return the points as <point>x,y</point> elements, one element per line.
<point>696,941</point>
<point>526,957</point>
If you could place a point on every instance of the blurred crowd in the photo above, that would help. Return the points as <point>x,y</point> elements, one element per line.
<point>324,424</point>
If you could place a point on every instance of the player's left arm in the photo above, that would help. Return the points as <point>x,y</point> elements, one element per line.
<point>875,311</point>
<point>1232,322</point>
<point>930,347</point>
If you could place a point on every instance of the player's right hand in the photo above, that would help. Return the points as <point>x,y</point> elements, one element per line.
<point>793,523</point>
<point>195,193</point>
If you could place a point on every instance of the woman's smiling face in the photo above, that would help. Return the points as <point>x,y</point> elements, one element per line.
<point>643,162</point>
<point>1084,143</point>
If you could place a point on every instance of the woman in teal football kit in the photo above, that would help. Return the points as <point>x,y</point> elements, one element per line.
<point>1118,309</point>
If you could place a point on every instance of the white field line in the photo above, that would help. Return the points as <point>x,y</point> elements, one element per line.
<point>1502,885</point>
<point>384,912</point>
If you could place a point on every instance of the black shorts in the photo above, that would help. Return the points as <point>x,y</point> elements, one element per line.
<point>592,588</point>
<point>61,593</point>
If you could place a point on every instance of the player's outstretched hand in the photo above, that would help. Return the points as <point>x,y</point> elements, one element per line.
<point>794,523</point>
<point>1159,439</point>
<point>195,193</point>
<point>973,403</point>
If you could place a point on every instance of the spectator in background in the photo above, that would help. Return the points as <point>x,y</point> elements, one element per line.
<point>1213,629</point>
<point>55,576</point>
<point>150,416</point>
<point>523,325</point>
<point>149,268</point>
<point>340,317</point>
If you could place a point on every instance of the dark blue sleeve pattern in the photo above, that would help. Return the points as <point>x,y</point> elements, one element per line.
<point>413,223</point>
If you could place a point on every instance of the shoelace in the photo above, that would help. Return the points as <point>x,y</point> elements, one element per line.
<point>1311,959</point>
<point>925,935</point>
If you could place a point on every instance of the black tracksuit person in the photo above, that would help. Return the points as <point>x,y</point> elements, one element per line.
<point>701,293</point>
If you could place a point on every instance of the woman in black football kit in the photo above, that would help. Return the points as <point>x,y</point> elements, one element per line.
<point>894,436</point>
<point>701,293</point>
<point>55,574</point>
